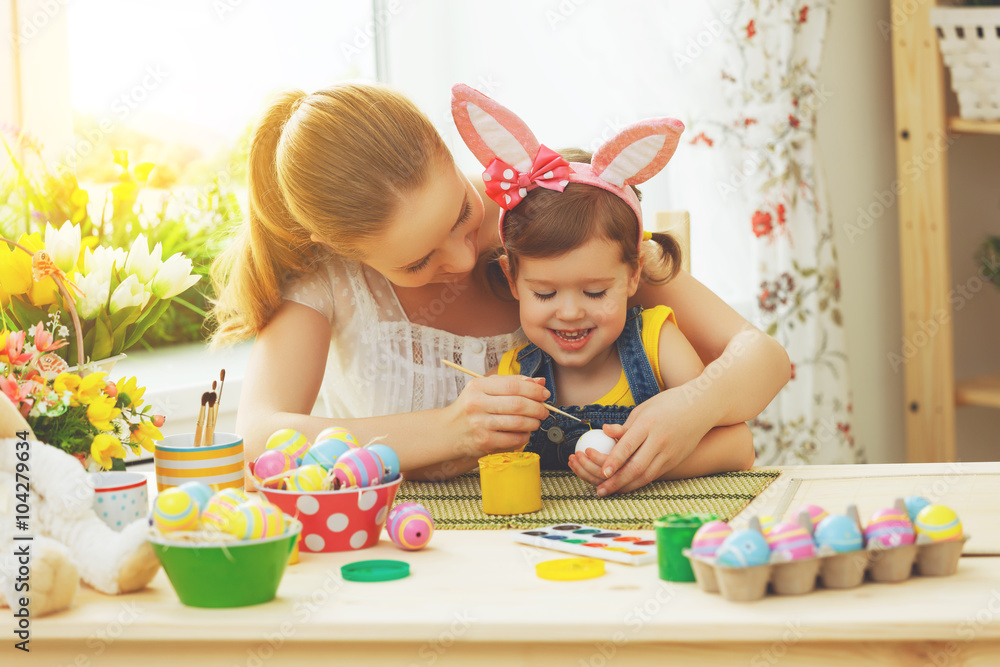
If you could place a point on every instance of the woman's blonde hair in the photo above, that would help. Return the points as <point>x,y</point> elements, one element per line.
<point>335,164</point>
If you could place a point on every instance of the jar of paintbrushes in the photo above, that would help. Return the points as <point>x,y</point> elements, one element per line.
<point>204,455</point>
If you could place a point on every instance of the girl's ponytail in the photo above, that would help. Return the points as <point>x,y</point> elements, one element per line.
<point>662,263</point>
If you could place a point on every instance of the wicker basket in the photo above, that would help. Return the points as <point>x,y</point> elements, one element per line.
<point>969,38</point>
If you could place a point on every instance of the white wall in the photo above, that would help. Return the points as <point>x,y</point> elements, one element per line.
<point>857,150</point>
<point>856,136</point>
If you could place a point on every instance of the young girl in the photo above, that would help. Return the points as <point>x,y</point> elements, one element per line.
<point>361,263</point>
<point>574,254</point>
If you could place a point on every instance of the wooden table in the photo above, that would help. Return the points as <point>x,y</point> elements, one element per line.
<point>473,599</point>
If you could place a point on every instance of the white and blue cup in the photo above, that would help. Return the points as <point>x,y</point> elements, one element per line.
<point>120,497</point>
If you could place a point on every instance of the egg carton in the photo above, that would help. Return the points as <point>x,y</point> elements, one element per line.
<point>828,568</point>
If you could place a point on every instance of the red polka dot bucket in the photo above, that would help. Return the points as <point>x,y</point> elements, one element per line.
<point>344,520</point>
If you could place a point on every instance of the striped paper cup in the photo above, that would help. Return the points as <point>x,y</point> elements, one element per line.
<point>219,465</point>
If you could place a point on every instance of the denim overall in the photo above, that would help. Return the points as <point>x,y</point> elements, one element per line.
<point>556,439</point>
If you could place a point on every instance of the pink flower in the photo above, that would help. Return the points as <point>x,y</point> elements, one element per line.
<point>751,29</point>
<point>702,138</point>
<point>13,391</point>
<point>14,349</point>
<point>804,14</point>
<point>45,341</point>
<point>158,420</point>
<point>761,223</point>
<point>111,390</point>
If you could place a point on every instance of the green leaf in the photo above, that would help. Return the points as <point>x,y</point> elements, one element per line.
<point>26,314</point>
<point>103,337</point>
<point>148,319</point>
<point>772,329</point>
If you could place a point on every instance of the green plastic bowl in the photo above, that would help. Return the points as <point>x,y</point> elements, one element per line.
<point>227,574</point>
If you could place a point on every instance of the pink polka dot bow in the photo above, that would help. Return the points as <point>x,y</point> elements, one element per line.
<point>507,186</point>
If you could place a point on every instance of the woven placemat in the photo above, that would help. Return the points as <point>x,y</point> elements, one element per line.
<point>566,498</point>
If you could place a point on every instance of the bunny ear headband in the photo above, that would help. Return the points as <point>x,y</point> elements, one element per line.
<point>516,162</point>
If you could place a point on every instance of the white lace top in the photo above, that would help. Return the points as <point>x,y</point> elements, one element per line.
<point>380,363</point>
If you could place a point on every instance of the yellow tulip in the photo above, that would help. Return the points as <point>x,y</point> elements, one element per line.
<point>91,387</point>
<point>130,392</point>
<point>15,270</point>
<point>145,433</point>
<point>68,382</point>
<point>101,411</point>
<point>106,447</point>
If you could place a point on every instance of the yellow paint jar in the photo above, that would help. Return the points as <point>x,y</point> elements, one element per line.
<point>511,483</point>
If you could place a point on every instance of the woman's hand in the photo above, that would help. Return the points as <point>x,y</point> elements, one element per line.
<point>656,438</point>
<point>495,414</point>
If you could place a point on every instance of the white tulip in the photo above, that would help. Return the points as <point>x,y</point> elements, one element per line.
<point>130,293</point>
<point>95,295</point>
<point>100,261</point>
<point>173,277</point>
<point>140,262</point>
<point>63,245</point>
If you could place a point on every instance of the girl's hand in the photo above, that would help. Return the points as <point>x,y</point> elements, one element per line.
<point>588,465</point>
<point>658,435</point>
<point>495,414</point>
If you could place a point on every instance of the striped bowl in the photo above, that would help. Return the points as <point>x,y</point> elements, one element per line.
<point>219,465</point>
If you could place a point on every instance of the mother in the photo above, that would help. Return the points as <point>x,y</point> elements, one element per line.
<point>361,264</point>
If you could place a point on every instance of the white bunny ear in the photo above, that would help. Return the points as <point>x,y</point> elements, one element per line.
<point>491,130</point>
<point>638,152</point>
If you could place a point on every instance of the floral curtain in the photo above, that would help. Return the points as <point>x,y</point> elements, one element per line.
<point>758,202</point>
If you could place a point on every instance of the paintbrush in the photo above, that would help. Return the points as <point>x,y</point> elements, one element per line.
<point>210,421</point>
<point>201,420</point>
<point>474,374</point>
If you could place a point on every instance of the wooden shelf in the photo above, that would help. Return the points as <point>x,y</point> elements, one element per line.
<point>984,390</point>
<point>956,124</point>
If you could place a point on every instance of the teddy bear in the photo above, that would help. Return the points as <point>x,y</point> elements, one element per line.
<point>70,542</point>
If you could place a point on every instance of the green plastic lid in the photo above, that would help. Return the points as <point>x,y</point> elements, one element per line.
<point>375,570</point>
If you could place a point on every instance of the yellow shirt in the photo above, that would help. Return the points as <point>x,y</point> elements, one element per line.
<point>620,394</point>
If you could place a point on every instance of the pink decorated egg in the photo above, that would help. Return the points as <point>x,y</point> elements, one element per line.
<point>273,462</point>
<point>357,468</point>
<point>816,514</point>
<point>410,526</point>
<point>708,538</point>
<point>791,541</point>
<point>888,528</point>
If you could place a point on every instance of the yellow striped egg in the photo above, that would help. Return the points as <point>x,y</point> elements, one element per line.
<point>254,520</point>
<point>220,507</point>
<point>289,440</point>
<point>338,433</point>
<point>939,523</point>
<point>175,510</point>
<point>306,478</point>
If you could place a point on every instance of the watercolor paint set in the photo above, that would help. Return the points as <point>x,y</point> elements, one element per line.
<point>592,542</point>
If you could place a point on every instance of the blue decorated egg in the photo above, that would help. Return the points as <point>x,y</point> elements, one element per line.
<point>913,506</point>
<point>390,461</point>
<point>743,548</point>
<point>324,453</point>
<point>199,492</point>
<point>840,533</point>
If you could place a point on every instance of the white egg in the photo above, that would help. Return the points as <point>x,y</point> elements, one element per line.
<point>595,439</point>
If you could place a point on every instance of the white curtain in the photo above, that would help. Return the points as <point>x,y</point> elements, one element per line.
<point>742,77</point>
